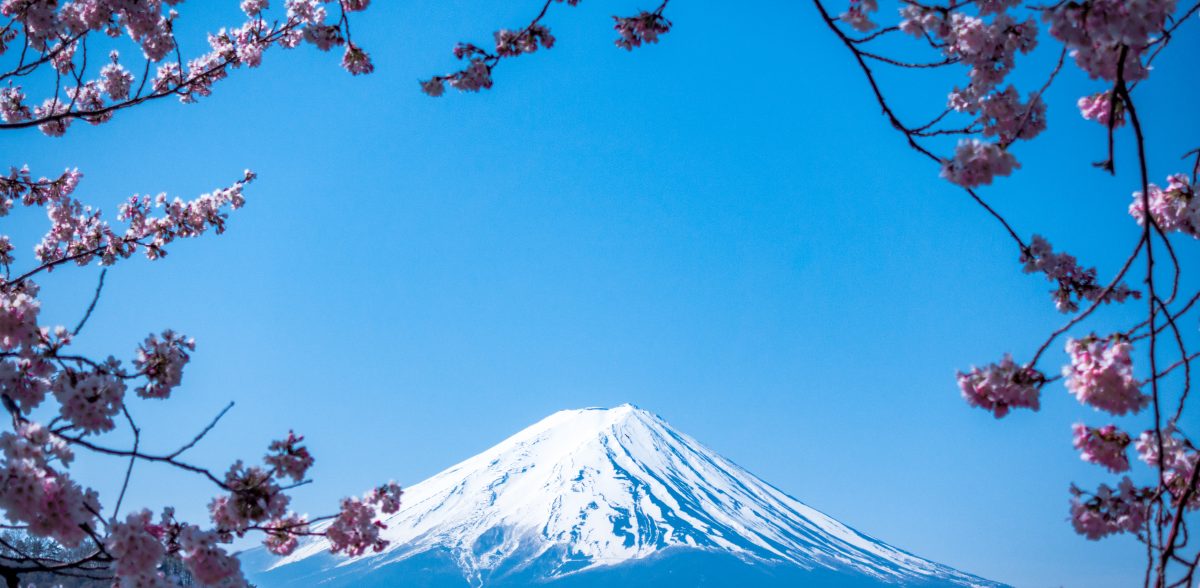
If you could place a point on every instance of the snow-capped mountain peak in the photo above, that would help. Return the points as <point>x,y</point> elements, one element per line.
<point>596,488</point>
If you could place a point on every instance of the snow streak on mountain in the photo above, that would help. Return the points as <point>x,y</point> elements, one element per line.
<point>588,492</point>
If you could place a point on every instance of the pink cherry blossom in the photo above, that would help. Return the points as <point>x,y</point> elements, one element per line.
<point>387,497</point>
<point>35,494</point>
<point>24,382</point>
<point>12,105</point>
<point>136,548</point>
<point>207,561</point>
<point>89,399</point>
<point>1101,374</point>
<point>858,15</point>
<point>646,27</point>
<point>1003,115</point>
<point>1075,283</point>
<point>161,361</point>
<point>355,529</point>
<point>1096,31</point>
<point>1103,446</point>
<point>976,163</point>
<point>1178,466</point>
<point>1001,387</point>
<point>254,498</point>
<point>254,7</point>
<point>1110,510</point>
<point>356,61</point>
<point>288,459</point>
<point>18,320</point>
<point>281,534</point>
<point>1099,106</point>
<point>1175,208</point>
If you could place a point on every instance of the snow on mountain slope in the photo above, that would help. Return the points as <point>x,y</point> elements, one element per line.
<point>595,488</point>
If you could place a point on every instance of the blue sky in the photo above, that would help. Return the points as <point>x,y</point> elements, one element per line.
<point>720,228</point>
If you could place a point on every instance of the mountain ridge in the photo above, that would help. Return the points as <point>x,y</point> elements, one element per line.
<point>594,491</point>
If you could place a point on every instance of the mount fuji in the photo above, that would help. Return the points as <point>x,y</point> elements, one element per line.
<point>585,498</point>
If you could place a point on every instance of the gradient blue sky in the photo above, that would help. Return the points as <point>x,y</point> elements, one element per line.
<point>721,229</point>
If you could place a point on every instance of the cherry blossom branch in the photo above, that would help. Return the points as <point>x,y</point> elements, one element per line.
<point>95,298</point>
<point>634,31</point>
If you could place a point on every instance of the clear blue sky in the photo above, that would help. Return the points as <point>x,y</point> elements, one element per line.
<point>720,228</point>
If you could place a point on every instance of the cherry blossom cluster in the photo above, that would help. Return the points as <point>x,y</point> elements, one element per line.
<point>1101,108</point>
<point>137,545</point>
<point>1101,374</point>
<point>288,458</point>
<point>253,498</point>
<point>1175,208</point>
<point>1104,446</point>
<point>977,163</point>
<point>634,31</point>
<point>1075,283</point>
<point>1001,387</point>
<point>988,48</point>
<point>36,494</point>
<point>78,232</point>
<point>356,528</point>
<point>282,535</point>
<point>1115,41</point>
<point>1099,33</point>
<point>476,74</point>
<point>161,361</point>
<point>1178,465</point>
<point>1004,116</point>
<point>1110,510</point>
<point>91,399</point>
<point>858,16</point>
<point>58,35</point>
<point>39,366</point>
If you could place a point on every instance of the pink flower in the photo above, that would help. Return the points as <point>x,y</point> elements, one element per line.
<point>1098,106</point>
<point>282,533</point>
<point>633,31</point>
<point>24,382</point>
<point>325,37</point>
<point>1104,446</point>
<point>1003,116</point>
<point>977,163</point>
<point>254,7</point>
<point>137,550</point>
<point>115,80</point>
<point>356,61</point>
<point>1174,209</point>
<point>1096,30</point>
<point>89,400</point>
<point>475,77</point>
<point>18,320</point>
<point>47,501</point>
<point>52,107</point>
<point>289,459</point>
<point>1101,374</point>
<point>254,497</point>
<point>433,87</point>
<point>1074,282</point>
<point>1109,510</point>
<point>387,497</point>
<point>161,361</point>
<point>12,105</point>
<point>1178,466</point>
<point>355,529</point>
<point>999,388</point>
<point>858,15</point>
<point>207,561</point>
